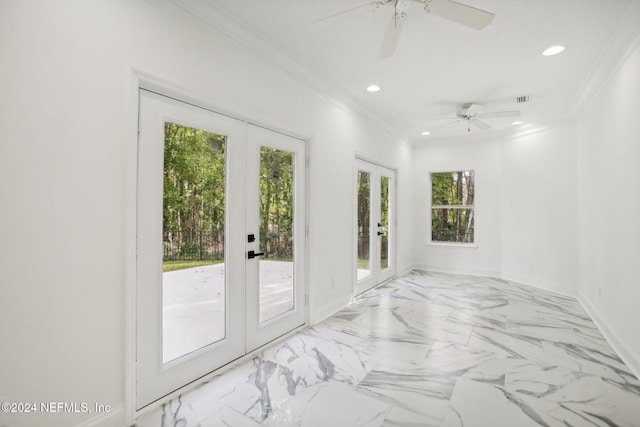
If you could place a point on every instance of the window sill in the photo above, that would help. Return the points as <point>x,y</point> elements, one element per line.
<point>453,245</point>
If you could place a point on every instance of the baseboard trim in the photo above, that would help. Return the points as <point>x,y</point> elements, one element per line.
<point>328,311</point>
<point>405,270</point>
<point>562,290</point>
<point>628,356</point>
<point>460,271</point>
<point>114,418</point>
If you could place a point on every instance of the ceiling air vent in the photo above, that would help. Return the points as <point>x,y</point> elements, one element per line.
<point>522,99</point>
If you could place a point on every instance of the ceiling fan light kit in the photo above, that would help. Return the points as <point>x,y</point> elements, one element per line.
<point>472,114</point>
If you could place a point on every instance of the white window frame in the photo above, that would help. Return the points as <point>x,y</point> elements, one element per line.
<point>472,207</point>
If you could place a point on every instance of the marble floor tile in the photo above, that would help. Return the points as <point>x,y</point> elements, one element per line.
<point>427,349</point>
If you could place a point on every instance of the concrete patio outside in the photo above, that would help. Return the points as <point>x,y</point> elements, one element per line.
<point>194,304</point>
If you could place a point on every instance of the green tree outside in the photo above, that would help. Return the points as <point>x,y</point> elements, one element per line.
<point>194,199</point>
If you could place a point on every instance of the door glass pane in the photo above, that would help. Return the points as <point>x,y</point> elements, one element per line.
<point>277,188</point>
<point>364,244</point>
<point>193,277</point>
<point>384,222</point>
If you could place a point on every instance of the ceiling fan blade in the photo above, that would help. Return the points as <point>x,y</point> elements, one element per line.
<point>460,13</point>
<point>391,36</point>
<point>446,124</point>
<point>479,124</point>
<point>439,119</point>
<point>323,23</point>
<point>496,114</point>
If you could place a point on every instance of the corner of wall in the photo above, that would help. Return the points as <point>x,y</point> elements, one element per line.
<point>327,311</point>
<point>114,417</point>
<point>628,356</point>
<point>457,270</point>
<point>558,288</point>
<point>612,56</point>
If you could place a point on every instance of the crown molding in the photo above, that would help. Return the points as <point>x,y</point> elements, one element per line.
<point>213,18</point>
<point>621,44</point>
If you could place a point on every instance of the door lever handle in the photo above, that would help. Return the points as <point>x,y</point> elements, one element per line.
<point>380,233</point>
<point>252,254</point>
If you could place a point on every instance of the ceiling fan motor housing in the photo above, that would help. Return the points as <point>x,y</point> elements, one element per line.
<point>468,110</point>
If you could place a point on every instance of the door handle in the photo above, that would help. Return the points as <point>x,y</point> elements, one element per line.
<point>380,233</point>
<point>252,254</point>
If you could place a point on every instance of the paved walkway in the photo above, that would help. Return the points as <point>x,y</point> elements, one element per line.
<point>194,304</point>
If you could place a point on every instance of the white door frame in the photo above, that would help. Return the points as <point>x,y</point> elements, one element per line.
<point>145,83</point>
<point>378,275</point>
<point>259,333</point>
<point>153,374</point>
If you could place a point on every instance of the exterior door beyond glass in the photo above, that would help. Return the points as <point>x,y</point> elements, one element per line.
<point>374,225</point>
<point>220,257</point>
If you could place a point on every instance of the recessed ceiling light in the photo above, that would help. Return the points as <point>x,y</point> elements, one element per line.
<point>553,50</point>
<point>373,88</point>
<point>426,132</point>
<point>517,122</point>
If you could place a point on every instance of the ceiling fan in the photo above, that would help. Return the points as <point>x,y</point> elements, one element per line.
<point>471,113</point>
<point>447,9</point>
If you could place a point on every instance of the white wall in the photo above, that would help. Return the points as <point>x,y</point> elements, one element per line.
<point>484,158</point>
<point>68,116</point>
<point>609,206</point>
<point>561,207</point>
<point>538,209</point>
<point>525,207</point>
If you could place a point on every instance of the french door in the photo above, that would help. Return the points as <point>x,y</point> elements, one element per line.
<point>374,224</point>
<point>220,264</point>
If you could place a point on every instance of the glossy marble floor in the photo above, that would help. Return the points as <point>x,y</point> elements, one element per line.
<point>427,349</point>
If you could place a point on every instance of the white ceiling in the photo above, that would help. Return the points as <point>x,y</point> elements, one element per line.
<point>438,64</point>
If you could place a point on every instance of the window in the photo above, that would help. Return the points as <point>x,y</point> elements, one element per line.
<point>452,206</point>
